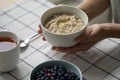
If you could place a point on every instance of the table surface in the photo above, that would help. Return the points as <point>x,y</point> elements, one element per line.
<point>101,62</point>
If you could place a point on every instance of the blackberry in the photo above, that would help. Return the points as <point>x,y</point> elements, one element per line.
<point>56,72</point>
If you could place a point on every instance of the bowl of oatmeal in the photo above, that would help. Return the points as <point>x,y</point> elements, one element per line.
<point>62,24</point>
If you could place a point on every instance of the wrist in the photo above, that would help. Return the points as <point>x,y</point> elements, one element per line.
<point>106,29</point>
<point>111,30</point>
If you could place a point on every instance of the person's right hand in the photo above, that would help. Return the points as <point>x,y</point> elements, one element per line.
<point>93,34</point>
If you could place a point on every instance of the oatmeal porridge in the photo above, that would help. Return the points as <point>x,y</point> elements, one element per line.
<point>64,24</point>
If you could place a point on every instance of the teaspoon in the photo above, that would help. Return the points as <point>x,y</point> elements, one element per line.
<point>24,43</point>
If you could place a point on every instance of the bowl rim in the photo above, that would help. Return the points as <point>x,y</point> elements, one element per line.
<point>17,41</point>
<point>80,10</point>
<point>56,61</point>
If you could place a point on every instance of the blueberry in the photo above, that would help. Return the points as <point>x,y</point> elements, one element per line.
<point>51,70</point>
<point>62,78</point>
<point>46,78</point>
<point>69,78</point>
<point>45,70</point>
<point>42,78</point>
<point>52,78</point>
<point>45,75</point>
<point>60,67</point>
<point>57,72</point>
<point>55,67</point>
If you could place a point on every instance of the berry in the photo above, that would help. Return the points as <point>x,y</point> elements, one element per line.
<point>56,72</point>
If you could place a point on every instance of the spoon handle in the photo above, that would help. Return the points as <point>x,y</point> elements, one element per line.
<point>34,35</point>
<point>31,37</point>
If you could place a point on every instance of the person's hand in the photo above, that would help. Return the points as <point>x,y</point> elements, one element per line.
<point>91,36</point>
<point>40,31</point>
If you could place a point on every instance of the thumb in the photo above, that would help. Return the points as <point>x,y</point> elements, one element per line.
<point>84,38</point>
<point>81,39</point>
<point>39,29</point>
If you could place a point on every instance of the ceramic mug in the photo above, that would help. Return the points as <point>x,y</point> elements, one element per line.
<point>9,54</point>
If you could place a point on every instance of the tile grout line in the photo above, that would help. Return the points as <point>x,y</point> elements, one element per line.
<point>14,19</point>
<point>115,42</point>
<point>108,54</point>
<point>93,64</point>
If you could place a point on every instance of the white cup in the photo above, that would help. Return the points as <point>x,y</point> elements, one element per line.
<point>62,40</point>
<point>9,58</point>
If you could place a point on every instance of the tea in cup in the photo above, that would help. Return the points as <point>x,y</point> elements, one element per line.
<point>9,51</point>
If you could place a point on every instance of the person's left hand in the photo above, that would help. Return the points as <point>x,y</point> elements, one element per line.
<point>91,36</point>
<point>39,29</point>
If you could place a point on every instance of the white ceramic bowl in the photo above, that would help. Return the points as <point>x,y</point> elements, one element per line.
<point>62,40</point>
<point>65,64</point>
